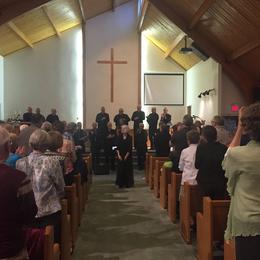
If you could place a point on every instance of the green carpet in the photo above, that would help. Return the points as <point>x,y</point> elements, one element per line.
<point>127,224</point>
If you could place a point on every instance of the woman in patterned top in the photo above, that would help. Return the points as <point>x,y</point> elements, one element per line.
<point>47,182</point>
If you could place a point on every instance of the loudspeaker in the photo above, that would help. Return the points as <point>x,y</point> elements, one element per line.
<point>199,52</point>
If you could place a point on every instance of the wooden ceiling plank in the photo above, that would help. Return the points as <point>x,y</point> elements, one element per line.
<point>243,50</point>
<point>244,79</point>
<point>177,40</point>
<point>45,10</point>
<point>200,12</point>
<point>16,30</point>
<point>10,11</point>
<point>145,8</point>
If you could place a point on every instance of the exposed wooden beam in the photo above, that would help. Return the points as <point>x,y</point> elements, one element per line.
<point>244,79</point>
<point>200,12</point>
<point>18,7</point>
<point>45,10</point>
<point>244,49</point>
<point>82,10</point>
<point>16,30</point>
<point>177,40</point>
<point>145,8</point>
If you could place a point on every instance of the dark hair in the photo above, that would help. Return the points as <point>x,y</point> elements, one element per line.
<point>193,136</point>
<point>59,126</point>
<point>55,141</point>
<point>251,121</point>
<point>209,133</point>
<point>187,120</point>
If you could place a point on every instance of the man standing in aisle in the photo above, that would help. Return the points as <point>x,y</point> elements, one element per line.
<point>152,121</point>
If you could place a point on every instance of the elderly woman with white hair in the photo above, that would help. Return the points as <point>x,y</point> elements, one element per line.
<point>125,177</point>
<point>47,182</point>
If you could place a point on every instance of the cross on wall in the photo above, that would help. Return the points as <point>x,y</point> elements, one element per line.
<point>112,62</point>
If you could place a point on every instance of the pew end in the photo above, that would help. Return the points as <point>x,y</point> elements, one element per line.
<point>51,251</point>
<point>157,176</point>
<point>229,250</point>
<point>165,180</point>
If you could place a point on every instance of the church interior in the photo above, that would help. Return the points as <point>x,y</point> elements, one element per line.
<point>82,64</point>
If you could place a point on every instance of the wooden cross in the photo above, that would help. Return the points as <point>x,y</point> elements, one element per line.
<point>111,62</point>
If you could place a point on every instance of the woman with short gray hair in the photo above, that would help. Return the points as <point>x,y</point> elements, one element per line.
<point>47,181</point>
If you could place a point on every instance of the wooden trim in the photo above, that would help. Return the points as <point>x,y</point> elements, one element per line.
<point>84,74</point>
<point>139,90</point>
<point>18,7</point>
<point>16,30</point>
<point>243,50</point>
<point>200,12</point>
<point>45,10</point>
<point>145,8</point>
<point>177,40</point>
<point>82,10</point>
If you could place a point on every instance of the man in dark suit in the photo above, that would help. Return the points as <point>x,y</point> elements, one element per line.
<point>166,118</point>
<point>109,143</point>
<point>28,115</point>
<point>121,118</point>
<point>141,145</point>
<point>102,119</point>
<point>152,121</point>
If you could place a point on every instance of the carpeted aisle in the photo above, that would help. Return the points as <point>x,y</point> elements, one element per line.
<point>127,224</point>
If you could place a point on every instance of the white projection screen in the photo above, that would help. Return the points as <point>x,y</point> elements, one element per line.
<point>164,89</point>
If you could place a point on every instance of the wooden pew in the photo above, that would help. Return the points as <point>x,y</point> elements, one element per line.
<point>73,205</point>
<point>151,169</point>
<point>66,240</point>
<point>211,225</point>
<point>51,251</point>
<point>165,179</point>
<point>157,175</point>
<point>229,250</point>
<point>147,167</point>
<point>173,195</point>
<point>190,204</point>
<point>79,193</point>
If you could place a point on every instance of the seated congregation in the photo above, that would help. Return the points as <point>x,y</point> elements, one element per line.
<point>205,178</point>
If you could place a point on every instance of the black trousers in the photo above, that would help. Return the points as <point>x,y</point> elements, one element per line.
<point>151,137</point>
<point>247,248</point>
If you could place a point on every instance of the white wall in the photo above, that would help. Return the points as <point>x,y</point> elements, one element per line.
<point>231,94</point>
<point>116,30</point>
<point>47,76</point>
<point>204,76</point>
<point>1,87</point>
<point>153,61</point>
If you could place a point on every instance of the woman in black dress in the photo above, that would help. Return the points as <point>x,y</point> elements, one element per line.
<point>125,177</point>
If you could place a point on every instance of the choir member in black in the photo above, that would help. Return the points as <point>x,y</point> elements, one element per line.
<point>125,177</point>
<point>80,136</point>
<point>121,118</point>
<point>27,116</point>
<point>38,116</point>
<point>102,119</point>
<point>141,145</point>
<point>109,144</point>
<point>166,118</point>
<point>53,117</point>
<point>138,117</point>
<point>152,121</point>
<point>94,145</point>
<point>162,141</point>
<point>179,141</point>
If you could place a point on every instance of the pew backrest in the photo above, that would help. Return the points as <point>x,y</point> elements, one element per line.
<point>50,250</point>
<point>165,179</point>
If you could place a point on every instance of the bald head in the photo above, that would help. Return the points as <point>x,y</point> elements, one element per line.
<point>29,109</point>
<point>103,110</point>
<point>139,107</point>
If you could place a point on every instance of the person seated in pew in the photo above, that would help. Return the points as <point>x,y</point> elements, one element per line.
<point>162,141</point>
<point>17,205</point>
<point>209,156</point>
<point>47,180</point>
<point>46,126</point>
<point>14,156</point>
<point>141,145</point>
<point>242,166</point>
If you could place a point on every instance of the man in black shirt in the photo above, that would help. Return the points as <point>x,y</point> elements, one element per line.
<point>80,137</point>
<point>121,118</point>
<point>141,146</point>
<point>102,119</point>
<point>27,116</point>
<point>152,121</point>
<point>53,117</point>
<point>38,116</point>
<point>166,118</point>
<point>138,117</point>
<point>109,143</point>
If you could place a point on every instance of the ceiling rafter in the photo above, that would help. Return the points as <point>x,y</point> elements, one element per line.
<point>16,30</point>
<point>145,8</point>
<point>82,10</point>
<point>175,43</point>
<point>45,10</point>
<point>16,8</point>
<point>200,12</point>
<point>244,79</point>
<point>243,50</point>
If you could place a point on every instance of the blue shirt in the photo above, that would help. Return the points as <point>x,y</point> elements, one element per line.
<point>11,160</point>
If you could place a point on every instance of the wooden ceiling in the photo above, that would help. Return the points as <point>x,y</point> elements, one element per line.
<point>227,30</point>
<point>167,36</point>
<point>27,22</point>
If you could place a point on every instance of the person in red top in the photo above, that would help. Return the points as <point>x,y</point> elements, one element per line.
<point>17,206</point>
